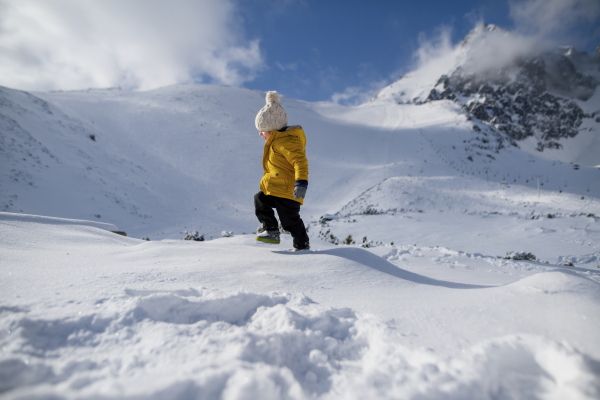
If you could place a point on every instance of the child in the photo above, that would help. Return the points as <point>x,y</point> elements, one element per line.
<point>285,180</point>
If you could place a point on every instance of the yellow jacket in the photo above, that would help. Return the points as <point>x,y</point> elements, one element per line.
<point>284,162</point>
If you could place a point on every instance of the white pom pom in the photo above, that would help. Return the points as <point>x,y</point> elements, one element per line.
<point>272,97</point>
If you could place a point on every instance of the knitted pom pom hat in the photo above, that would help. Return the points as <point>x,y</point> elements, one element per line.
<point>271,117</point>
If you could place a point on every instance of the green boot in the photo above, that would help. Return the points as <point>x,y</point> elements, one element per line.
<point>271,237</point>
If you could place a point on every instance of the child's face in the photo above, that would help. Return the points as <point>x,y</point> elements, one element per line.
<point>265,135</point>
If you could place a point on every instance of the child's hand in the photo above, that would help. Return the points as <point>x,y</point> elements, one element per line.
<point>299,192</point>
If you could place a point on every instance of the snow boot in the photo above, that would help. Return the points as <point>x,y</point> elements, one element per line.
<point>271,237</point>
<point>300,247</point>
<point>305,248</point>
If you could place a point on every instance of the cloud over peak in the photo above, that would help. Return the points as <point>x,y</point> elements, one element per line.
<point>539,26</point>
<point>552,21</point>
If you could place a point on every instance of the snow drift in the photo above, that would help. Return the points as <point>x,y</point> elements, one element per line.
<point>87,313</point>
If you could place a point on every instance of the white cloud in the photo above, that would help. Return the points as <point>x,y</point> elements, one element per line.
<point>353,96</point>
<point>135,44</point>
<point>554,21</point>
<point>431,48</point>
<point>436,54</point>
<point>494,49</point>
<point>539,25</point>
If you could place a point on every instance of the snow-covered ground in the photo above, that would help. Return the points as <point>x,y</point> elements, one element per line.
<point>428,302</point>
<point>90,314</point>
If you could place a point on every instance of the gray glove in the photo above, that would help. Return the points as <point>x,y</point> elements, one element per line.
<point>299,192</point>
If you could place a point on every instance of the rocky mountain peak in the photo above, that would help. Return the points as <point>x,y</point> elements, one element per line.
<point>499,80</point>
<point>534,97</point>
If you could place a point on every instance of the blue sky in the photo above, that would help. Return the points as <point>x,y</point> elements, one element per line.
<point>327,50</point>
<point>314,49</point>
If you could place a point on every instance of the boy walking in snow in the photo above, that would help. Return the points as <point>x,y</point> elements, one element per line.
<point>285,180</point>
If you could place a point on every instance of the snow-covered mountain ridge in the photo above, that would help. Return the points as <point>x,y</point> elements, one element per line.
<point>513,89</point>
<point>187,157</point>
<point>156,161</point>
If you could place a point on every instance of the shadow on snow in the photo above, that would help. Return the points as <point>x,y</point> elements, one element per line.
<point>379,264</point>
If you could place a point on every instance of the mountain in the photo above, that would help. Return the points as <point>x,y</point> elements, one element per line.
<point>181,158</point>
<point>521,96</point>
<point>186,157</point>
<point>129,156</point>
<point>448,258</point>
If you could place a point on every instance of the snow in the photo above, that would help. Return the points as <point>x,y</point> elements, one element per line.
<point>428,302</point>
<point>87,313</point>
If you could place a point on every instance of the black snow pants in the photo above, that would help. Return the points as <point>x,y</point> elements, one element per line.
<point>289,215</point>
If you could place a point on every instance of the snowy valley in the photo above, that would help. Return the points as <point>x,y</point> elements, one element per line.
<point>448,258</point>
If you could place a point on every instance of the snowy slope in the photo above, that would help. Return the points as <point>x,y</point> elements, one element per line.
<point>154,162</point>
<point>188,157</point>
<point>87,313</point>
